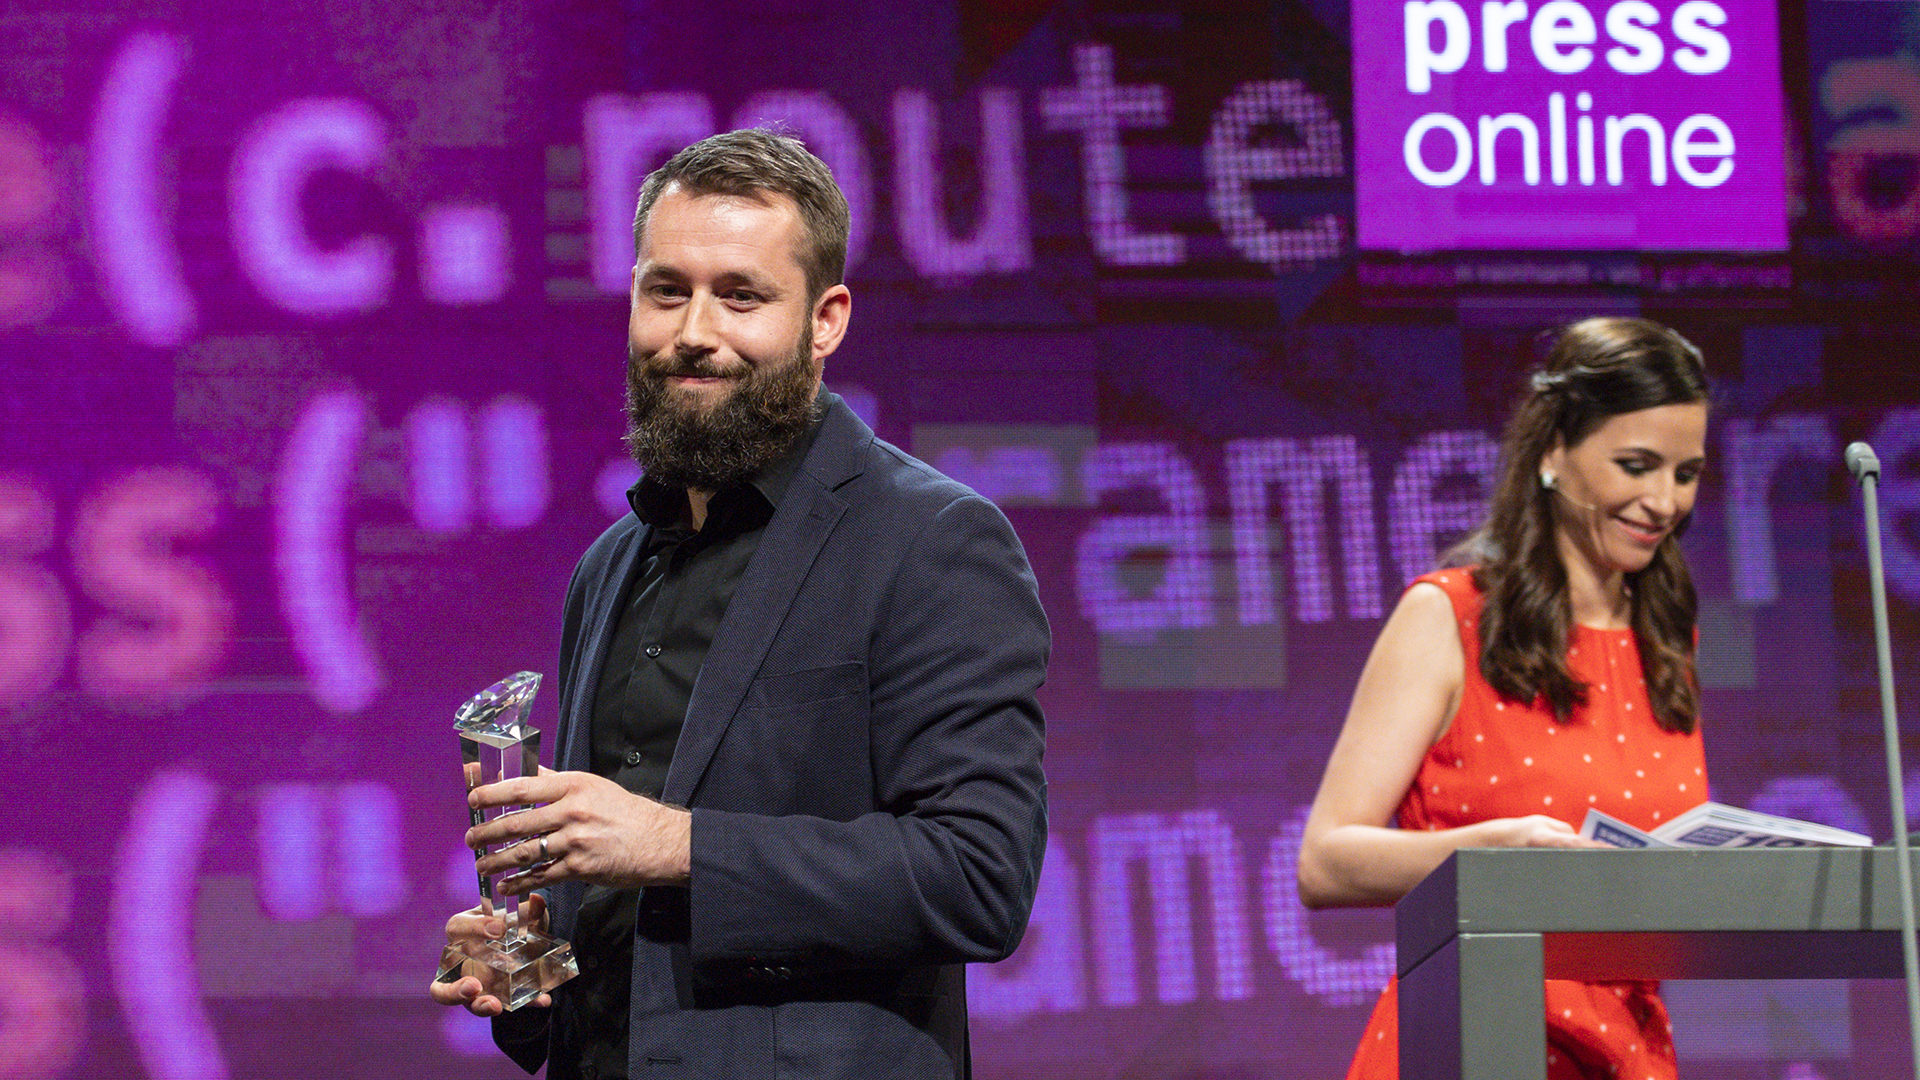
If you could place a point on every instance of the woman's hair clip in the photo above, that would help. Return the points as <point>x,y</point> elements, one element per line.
<point>1544,381</point>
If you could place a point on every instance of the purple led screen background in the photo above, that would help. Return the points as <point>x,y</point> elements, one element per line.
<point>312,323</point>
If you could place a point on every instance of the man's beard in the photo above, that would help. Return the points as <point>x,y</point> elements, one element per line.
<point>683,445</point>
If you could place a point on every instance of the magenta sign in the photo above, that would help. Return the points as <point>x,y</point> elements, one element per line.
<point>1632,125</point>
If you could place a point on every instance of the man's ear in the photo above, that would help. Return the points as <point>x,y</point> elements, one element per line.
<point>830,316</point>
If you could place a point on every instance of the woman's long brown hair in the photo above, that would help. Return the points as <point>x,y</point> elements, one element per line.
<point>1596,368</point>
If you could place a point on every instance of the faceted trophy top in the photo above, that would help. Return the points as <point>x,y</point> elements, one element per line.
<point>497,715</point>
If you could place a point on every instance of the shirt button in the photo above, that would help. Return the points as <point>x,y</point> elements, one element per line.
<point>635,757</point>
<point>653,650</point>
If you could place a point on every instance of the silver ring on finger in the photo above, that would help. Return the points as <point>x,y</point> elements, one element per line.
<point>544,857</point>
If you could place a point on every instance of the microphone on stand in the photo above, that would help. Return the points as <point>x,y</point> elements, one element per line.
<point>1864,464</point>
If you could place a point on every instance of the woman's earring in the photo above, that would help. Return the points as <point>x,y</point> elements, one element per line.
<point>1546,480</point>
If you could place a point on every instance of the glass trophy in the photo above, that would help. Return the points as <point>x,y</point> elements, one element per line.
<point>497,744</point>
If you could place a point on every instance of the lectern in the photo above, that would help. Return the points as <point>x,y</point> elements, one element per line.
<point>1476,937</point>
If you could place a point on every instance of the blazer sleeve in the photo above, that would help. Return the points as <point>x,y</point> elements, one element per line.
<point>522,1036</point>
<point>945,870</point>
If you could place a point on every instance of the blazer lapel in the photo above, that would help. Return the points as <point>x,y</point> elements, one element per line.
<point>600,616</point>
<point>799,529</point>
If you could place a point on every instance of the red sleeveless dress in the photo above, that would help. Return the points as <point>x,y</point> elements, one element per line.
<point>1502,759</point>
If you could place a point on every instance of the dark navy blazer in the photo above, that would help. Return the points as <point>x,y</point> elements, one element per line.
<point>862,757</point>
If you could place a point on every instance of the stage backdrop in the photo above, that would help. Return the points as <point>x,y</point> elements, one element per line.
<point>312,322</point>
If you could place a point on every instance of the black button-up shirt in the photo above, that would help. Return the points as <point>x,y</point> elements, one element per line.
<point>669,615</point>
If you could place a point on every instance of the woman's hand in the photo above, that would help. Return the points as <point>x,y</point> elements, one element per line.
<point>1534,830</point>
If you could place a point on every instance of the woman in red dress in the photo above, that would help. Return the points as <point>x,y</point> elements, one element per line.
<point>1549,670</point>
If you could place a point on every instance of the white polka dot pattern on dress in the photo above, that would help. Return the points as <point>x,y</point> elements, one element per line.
<point>1495,765</point>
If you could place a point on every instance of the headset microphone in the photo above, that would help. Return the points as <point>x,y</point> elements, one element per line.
<point>1548,481</point>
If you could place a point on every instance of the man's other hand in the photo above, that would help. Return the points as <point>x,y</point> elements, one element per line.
<point>480,987</point>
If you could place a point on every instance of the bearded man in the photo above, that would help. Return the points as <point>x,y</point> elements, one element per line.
<point>799,755</point>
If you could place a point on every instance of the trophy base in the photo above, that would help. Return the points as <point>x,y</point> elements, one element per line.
<point>517,968</point>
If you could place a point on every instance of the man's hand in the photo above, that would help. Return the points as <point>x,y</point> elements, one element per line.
<point>590,829</point>
<point>479,986</point>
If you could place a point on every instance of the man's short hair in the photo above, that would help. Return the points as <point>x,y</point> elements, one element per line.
<point>753,162</point>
